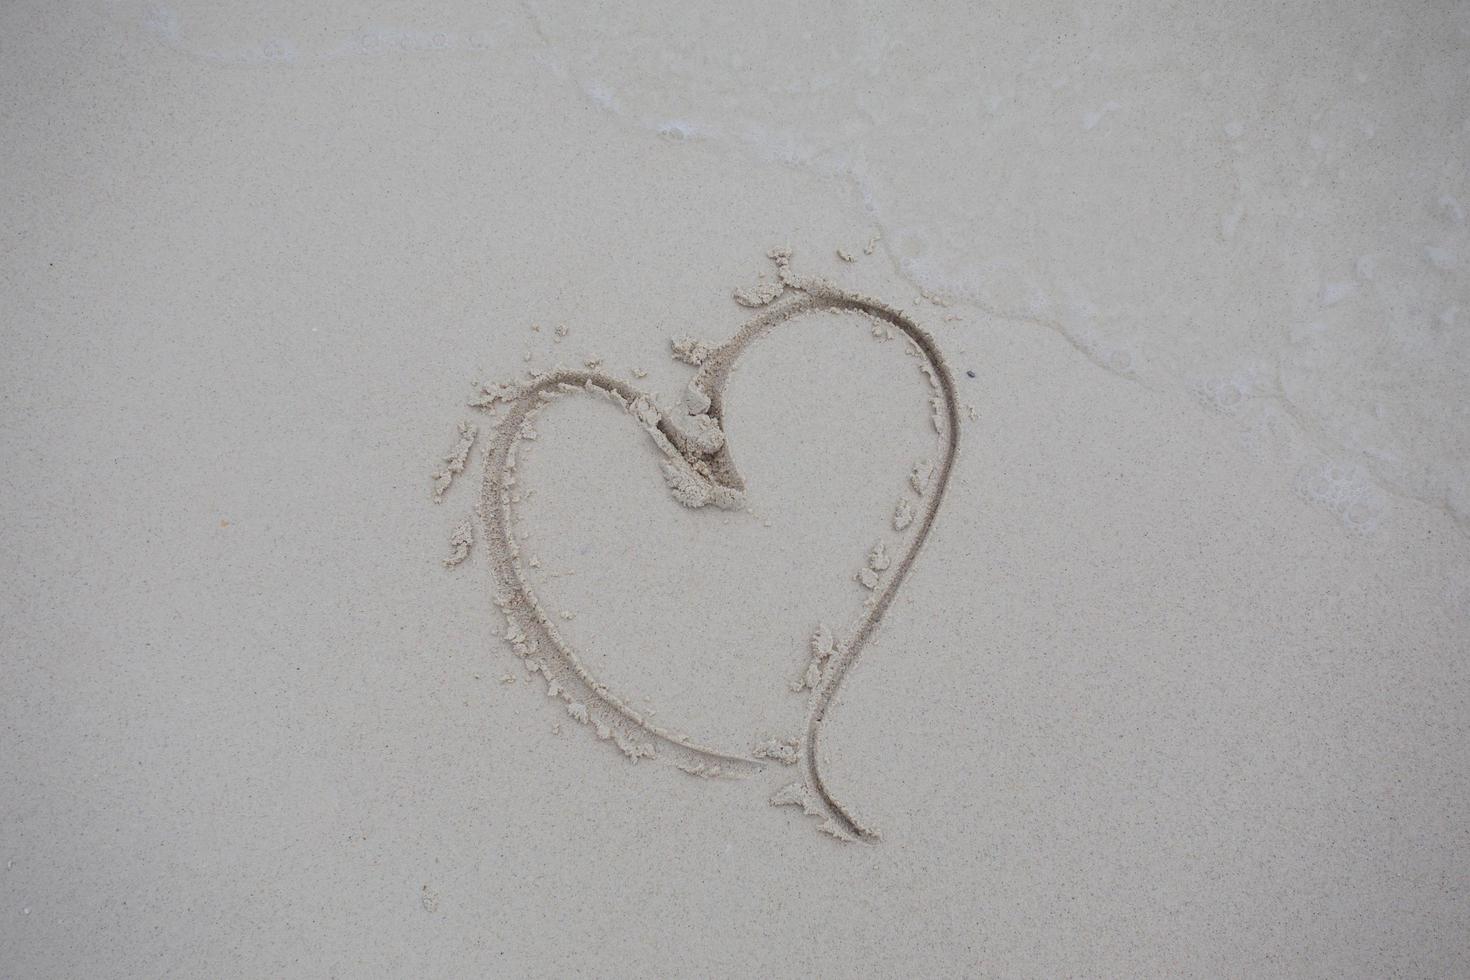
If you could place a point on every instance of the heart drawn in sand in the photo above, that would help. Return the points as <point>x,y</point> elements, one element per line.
<point>699,468</point>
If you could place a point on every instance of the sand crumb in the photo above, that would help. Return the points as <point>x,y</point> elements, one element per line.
<point>781,255</point>
<point>761,294</point>
<point>696,399</point>
<point>810,677</point>
<point>782,750</point>
<point>823,643</point>
<point>687,486</point>
<point>454,462</point>
<point>920,477</point>
<point>927,370</point>
<point>460,540</point>
<point>793,794</point>
<point>491,394</point>
<point>689,350</point>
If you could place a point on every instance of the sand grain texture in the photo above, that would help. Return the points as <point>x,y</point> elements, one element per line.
<point>1177,686</point>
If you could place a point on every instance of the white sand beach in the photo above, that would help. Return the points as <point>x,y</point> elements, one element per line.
<point>1072,520</point>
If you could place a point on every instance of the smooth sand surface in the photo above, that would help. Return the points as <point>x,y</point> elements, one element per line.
<point>1178,685</point>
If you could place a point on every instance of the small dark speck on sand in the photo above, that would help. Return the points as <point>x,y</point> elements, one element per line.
<point>970,373</point>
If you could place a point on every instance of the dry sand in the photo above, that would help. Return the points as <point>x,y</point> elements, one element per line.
<point>1177,684</point>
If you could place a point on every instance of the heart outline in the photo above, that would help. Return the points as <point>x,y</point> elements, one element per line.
<point>699,467</point>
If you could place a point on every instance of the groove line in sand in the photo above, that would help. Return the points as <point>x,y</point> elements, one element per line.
<point>700,470</point>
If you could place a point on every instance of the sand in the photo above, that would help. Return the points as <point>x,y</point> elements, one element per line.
<point>1119,627</point>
